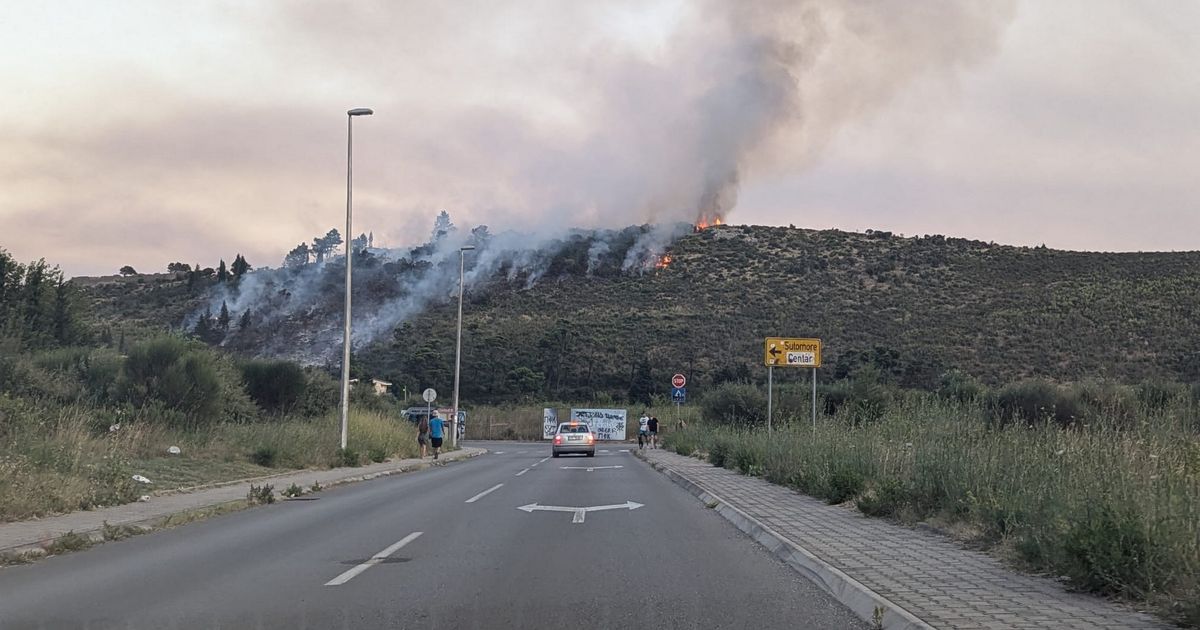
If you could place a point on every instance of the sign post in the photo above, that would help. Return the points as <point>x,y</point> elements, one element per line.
<point>678,393</point>
<point>790,352</point>
<point>430,395</point>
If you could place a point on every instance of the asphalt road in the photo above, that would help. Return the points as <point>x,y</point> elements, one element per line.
<point>457,556</point>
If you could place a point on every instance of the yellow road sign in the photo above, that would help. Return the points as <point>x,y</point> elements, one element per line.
<point>785,352</point>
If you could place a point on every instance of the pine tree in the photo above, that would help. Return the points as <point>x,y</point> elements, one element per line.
<point>244,322</point>
<point>240,266</point>
<point>203,329</point>
<point>298,257</point>
<point>223,318</point>
<point>222,273</point>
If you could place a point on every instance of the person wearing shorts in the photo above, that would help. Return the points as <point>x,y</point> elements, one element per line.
<point>643,430</point>
<point>437,431</point>
<point>652,426</point>
<point>423,434</point>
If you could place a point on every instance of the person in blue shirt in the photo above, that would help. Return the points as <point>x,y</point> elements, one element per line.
<point>437,431</point>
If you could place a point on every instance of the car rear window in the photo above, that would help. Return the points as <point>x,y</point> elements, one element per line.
<point>578,428</point>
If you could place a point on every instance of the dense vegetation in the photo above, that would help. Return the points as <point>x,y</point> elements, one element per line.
<point>81,413</point>
<point>912,309</point>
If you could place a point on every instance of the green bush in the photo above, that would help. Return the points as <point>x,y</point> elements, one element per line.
<point>264,456</point>
<point>186,377</point>
<point>960,386</point>
<point>275,386</point>
<point>320,396</point>
<point>1035,401</point>
<point>885,498</point>
<point>735,404</point>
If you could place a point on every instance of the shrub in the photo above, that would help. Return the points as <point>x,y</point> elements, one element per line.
<point>377,455</point>
<point>347,457</point>
<point>320,396</point>
<point>735,404</point>
<point>186,377</point>
<point>960,386</point>
<point>844,483</point>
<point>885,498</point>
<point>1034,401</point>
<point>264,456</point>
<point>262,495</point>
<point>275,386</point>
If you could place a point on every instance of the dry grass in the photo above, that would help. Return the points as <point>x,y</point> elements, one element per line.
<point>57,460</point>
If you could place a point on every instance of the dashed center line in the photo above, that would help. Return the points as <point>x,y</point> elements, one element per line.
<point>374,560</point>
<point>484,493</point>
<point>522,472</point>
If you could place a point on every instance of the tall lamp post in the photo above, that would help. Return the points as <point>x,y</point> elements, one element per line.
<point>462,255</point>
<point>358,111</point>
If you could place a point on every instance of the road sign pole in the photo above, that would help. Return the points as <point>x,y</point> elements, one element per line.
<point>814,401</point>
<point>770,395</point>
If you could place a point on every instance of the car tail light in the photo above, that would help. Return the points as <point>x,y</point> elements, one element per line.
<point>558,439</point>
<point>591,439</point>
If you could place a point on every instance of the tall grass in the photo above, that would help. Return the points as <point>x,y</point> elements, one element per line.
<point>1113,506</point>
<point>56,458</point>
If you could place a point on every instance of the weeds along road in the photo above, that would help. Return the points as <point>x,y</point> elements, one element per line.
<point>448,547</point>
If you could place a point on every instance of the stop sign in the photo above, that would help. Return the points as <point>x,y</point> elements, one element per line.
<point>678,381</point>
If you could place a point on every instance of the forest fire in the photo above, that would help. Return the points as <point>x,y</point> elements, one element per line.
<point>664,261</point>
<point>705,222</point>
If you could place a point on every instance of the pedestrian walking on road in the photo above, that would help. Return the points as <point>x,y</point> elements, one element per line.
<point>423,434</point>
<point>652,426</point>
<point>643,430</point>
<point>437,431</point>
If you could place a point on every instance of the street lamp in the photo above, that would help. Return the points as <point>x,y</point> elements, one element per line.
<point>462,254</point>
<point>358,111</point>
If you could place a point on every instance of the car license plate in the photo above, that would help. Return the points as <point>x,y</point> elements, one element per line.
<point>572,438</point>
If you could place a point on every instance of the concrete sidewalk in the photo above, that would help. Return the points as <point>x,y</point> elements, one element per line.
<point>902,576</point>
<point>23,535</point>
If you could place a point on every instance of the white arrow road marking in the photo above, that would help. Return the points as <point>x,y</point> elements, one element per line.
<point>579,512</point>
<point>484,493</point>
<point>374,560</point>
<point>522,472</point>
<point>588,468</point>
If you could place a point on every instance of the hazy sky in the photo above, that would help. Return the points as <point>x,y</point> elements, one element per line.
<point>144,132</point>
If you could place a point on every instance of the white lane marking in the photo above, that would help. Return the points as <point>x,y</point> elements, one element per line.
<point>374,560</point>
<point>540,461</point>
<point>604,450</point>
<point>498,453</point>
<point>484,493</point>
<point>522,472</point>
<point>588,468</point>
<point>579,512</point>
<point>624,450</point>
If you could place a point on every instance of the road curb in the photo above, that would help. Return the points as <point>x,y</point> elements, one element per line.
<point>862,601</point>
<point>96,535</point>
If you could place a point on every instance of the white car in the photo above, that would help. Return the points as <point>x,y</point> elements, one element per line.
<point>573,437</point>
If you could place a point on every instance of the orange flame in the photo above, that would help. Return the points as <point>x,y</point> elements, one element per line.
<point>704,222</point>
<point>664,261</point>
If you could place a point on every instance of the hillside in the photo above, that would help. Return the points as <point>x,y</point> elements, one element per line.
<point>914,307</point>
